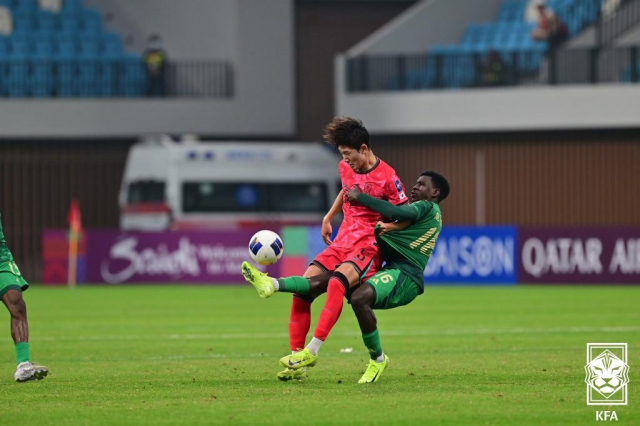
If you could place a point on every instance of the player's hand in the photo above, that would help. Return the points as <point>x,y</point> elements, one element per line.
<point>352,194</point>
<point>326,232</point>
<point>383,228</point>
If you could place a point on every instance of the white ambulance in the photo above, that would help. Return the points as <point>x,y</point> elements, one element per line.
<point>172,185</point>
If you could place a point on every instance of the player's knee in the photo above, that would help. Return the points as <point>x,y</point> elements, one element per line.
<point>360,301</point>
<point>16,305</point>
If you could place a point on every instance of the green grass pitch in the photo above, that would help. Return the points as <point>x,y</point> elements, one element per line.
<point>155,355</point>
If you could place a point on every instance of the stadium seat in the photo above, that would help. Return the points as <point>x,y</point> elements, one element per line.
<point>91,21</point>
<point>111,45</point>
<point>47,22</point>
<point>71,7</point>
<point>70,25</point>
<point>42,87</point>
<point>25,6</point>
<point>132,81</point>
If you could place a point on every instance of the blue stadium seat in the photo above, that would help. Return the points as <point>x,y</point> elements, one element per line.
<point>132,81</point>
<point>111,45</point>
<point>88,88</point>
<point>24,22</point>
<point>20,46</point>
<point>42,88</point>
<point>47,22</point>
<point>70,24</point>
<point>17,76</point>
<point>92,20</point>
<point>71,7</point>
<point>67,58</point>
<point>25,6</point>
<point>4,56</point>
<point>67,89</point>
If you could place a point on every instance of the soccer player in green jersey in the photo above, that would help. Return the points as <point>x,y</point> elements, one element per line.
<point>12,284</point>
<point>406,246</point>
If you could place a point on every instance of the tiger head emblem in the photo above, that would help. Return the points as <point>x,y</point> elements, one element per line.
<point>607,374</point>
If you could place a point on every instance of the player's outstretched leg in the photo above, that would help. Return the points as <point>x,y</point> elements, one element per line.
<point>259,280</point>
<point>362,302</point>
<point>26,370</point>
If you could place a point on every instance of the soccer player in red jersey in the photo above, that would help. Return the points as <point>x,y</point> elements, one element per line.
<point>353,255</point>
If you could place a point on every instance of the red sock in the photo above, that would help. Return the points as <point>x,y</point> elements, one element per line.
<point>336,290</point>
<point>299,322</point>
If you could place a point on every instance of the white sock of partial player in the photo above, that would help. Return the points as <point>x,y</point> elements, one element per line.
<point>314,345</point>
<point>275,283</point>
<point>380,358</point>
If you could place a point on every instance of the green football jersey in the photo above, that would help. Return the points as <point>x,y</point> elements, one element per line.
<point>5,254</point>
<point>409,249</point>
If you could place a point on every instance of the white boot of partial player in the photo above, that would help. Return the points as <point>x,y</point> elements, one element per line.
<point>28,371</point>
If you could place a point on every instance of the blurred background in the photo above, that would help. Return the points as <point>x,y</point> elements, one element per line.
<point>164,133</point>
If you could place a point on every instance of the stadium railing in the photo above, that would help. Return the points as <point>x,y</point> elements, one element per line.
<point>612,26</point>
<point>118,77</point>
<point>455,70</point>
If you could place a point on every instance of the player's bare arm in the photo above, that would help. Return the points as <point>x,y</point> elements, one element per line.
<point>383,227</point>
<point>326,229</point>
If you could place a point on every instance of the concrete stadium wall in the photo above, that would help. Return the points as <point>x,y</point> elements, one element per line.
<point>256,36</point>
<point>190,29</point>
<point>325,28</point>
<point>427,23</point>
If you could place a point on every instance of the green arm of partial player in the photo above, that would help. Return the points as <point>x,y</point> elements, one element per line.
<point>387,209</point>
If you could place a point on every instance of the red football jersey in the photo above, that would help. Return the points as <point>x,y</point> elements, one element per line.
<point>381,182</point>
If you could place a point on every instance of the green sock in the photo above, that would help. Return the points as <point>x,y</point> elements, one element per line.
<point>372,342</point>
<point>22,352</point>
<point>298,285</point>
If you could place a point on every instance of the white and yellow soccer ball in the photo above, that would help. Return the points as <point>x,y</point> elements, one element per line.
<point>266,247</point>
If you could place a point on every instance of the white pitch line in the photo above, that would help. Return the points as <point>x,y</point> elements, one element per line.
<point>395,333</point>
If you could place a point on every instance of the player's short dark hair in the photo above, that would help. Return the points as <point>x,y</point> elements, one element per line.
<point>346,131</point>
<point>440,182</point>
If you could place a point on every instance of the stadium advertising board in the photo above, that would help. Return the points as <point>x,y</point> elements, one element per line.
<point>204,257</point>
<point>579,255</point>
<point>473,255</point>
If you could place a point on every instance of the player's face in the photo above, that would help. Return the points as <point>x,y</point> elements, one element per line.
<point>353,157</point>
<point>423,189</point>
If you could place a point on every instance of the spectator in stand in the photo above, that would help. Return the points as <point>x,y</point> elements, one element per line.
<point>52,6</point>
<point>494,70</point>
<point>550,28</point>
<point>155,59</point>
<point>6,21</point>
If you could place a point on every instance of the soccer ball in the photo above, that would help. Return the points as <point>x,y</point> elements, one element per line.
<point>266,247</point>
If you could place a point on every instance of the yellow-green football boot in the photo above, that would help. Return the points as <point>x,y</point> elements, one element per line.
<point>290,374</point>
<point>374,371</point>
<point>304,358</point>
<point>259,280</point>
